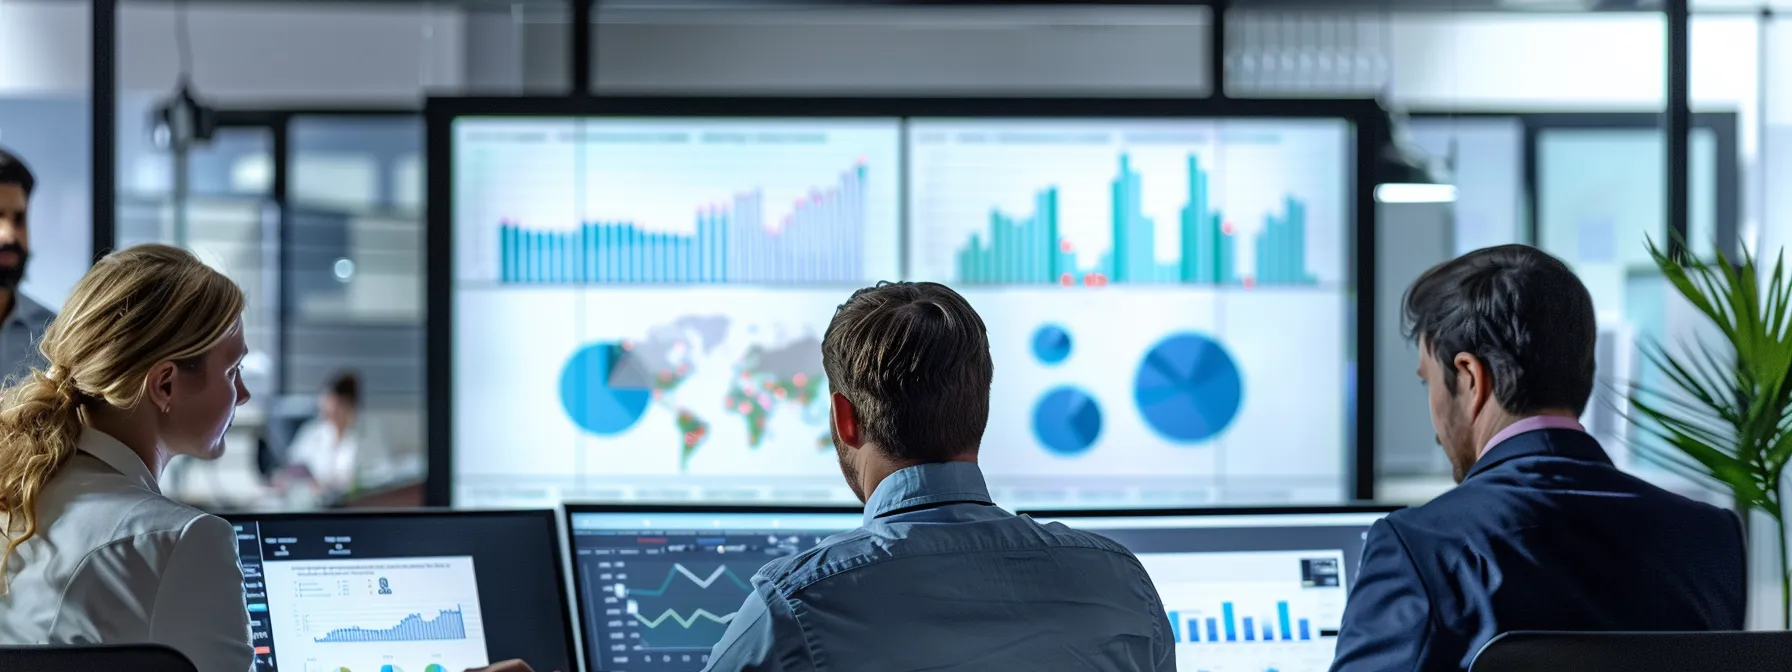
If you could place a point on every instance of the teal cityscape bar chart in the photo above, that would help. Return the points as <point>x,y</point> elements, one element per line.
<point>1030,249</point>
<point>820,240</point>
<point>448,624</point>
<point>1228,628</point>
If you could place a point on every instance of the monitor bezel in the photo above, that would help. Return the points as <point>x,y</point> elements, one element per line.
<point>1212,512</point>
<point>1370,124</point>
<point>688,508</point>
<point>574,654</point>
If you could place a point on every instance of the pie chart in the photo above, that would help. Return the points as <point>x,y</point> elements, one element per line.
<point>592,398</point>
<point>1188,388</point>
<point>1051,344</point>
<point>1067,421</point>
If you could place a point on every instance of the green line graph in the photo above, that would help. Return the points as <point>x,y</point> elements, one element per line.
<point>705,582</point>
<point>682,621</point>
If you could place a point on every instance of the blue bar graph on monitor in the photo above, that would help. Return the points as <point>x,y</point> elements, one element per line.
<point>1213,631</point>
<point>1176,627</point>
<point>1282,620</point>
<point>1250,632</point>
<point>1231,624</point>
<point>1194,631</point>
<point>1306,632</point>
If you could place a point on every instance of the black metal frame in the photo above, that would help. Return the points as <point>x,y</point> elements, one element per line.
<point>550,516</point>
<point>1211,511</point>
<point>575,508</point>
<point>1369,119</point>
<point>278,121</point>
<point>1724,126</point>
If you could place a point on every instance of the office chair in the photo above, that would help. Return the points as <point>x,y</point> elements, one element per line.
<point>58,658</point>
<point>1636,652</point>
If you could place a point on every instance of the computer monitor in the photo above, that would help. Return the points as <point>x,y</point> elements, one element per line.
<point>1246,589</point>
<point>657,585</point>
<point>418,591</point>
<point>649,294</point>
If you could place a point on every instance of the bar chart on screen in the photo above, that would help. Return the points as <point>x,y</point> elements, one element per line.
<point>817,239</point>
<point>376,614</point>
<point>1252,611</point>
<point>571,201</point>
<point>1094,203</point>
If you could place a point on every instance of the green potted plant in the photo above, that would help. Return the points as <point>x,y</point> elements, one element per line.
<point>1723,416</point>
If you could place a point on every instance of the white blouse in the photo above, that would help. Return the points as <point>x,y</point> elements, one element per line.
<point>115,562</point>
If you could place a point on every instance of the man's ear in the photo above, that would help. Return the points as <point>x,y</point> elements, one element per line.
<point>846,421</point>
<point>1473,377</point>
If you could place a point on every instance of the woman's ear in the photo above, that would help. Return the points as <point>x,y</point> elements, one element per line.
<point>158,386</point>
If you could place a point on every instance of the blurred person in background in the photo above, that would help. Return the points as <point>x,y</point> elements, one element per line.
<point>340,450</point>
<point>144,365</point>
<point>22,321</point>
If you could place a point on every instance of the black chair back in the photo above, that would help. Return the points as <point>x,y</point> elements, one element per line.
<point>1636,652</point>
<point>57,658</point>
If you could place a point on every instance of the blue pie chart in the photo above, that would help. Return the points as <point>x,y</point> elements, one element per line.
<point>1051,344</point>
<point>1067,421</point>
<point>590,400</point>
<point>1188,388</point>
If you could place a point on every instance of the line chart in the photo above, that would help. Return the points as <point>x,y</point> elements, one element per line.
<point>682,621</point>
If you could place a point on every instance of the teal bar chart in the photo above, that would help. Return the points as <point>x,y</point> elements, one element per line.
<point>1032,249</point>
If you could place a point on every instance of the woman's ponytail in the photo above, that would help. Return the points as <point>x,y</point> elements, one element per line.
<point>40,422</point>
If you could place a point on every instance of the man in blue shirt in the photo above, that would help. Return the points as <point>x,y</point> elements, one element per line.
<point>938,578</point>
<point>22,321</point>
<point>1542,533</point>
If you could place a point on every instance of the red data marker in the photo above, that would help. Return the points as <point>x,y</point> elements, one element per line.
<point>1250,282</point>
<point>1067,280</point>
<point>1064,246</point>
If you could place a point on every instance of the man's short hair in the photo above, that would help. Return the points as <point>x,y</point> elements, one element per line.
<point>14,171</point>
<point>1522,312</point>
<point>345,385</point>
<point>914,360</point>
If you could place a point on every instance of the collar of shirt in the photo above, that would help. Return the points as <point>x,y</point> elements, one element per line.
<point>118,456</point>
<point>924,484</point>
<point>1532,424</point>
<point>25,312</point>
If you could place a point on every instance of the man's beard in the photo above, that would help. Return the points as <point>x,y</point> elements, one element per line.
<point>847,468</point>
<point>10,277</point>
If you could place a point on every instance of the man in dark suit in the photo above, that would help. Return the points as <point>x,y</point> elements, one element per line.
<point>1541,532</point>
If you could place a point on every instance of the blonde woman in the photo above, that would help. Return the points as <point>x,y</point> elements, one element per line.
<point>143,366</point>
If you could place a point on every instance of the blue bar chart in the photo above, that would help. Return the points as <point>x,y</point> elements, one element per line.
<point>1033,248</point>
<point>1229,627</point>
<point>1249,611</point>
<point>819,239</point>
<point>414,628</point>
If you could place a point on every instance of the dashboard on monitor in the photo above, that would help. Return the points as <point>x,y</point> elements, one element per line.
<point>1245,590</point>
<point>656,587</point>
<point>427,592</point>
<point>637,303</point>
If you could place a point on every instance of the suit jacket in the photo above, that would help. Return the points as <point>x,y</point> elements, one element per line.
<point>1543,534</point>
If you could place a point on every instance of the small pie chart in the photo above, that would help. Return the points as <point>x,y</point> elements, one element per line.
<point>1067,421</point>
<point>1051,344</point>
<point>1188,388</point>
<point>592,395</point>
